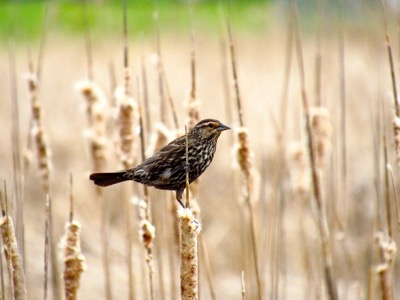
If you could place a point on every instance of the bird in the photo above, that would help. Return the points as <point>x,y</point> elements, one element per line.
<point>166,169</point>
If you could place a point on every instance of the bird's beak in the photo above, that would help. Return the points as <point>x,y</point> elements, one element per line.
<point>222,127</point>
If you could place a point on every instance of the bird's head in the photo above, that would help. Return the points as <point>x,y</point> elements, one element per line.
<point>208,129</point>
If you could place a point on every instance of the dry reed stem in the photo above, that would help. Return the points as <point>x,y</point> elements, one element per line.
<point>343,114</point>
<point>127,118</point>
<point>391,62</point>
<point>316,180</point>
<point>73,259</point>
<point>12,256</point>
<point>245,160</point>
<point>396,202</point>
<point>388,208</point>
<point>147,233</point>
<point>387,251</point>
<point>189,230</point>
<point>245,157</point>
<point>206,260</point>
<point>147,230</point>
<point>96,107</point>
<point>18,174</point>
<point>145,95</point>
<point>243,287</point>
<point>38,134</point>
<point>163,85</point>
<point>46,247</point>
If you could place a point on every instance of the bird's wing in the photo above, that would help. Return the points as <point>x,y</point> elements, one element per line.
<point>177,143</point>
<point>172,147</point>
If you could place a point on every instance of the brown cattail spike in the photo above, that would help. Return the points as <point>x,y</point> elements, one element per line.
<point>189,228</point>
<point>73,259</point>
<point>321,128</point>
<point>13,258</point>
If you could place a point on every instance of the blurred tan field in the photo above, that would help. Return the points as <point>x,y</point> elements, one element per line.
<point>287,235</point>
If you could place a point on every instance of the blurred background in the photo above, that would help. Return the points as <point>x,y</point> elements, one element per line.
<point>347,73</point>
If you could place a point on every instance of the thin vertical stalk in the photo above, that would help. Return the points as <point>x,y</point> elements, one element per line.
<point>46,247</point>
<point>147,228</point>
<point>245,164</point>
<point>189,230</point>
<point>330,281</point>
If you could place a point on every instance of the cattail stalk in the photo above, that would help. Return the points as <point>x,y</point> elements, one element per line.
<point>387,253</point>
<point>396,202</point>
<point>73,259</point>
<point>163,85</point>
<point>13,258</point>
<point>207,265</point>
<point>147,230</point>
<point>37,131</point>
<point>96,107</point>
<point>245,161</point>
<point>396,121</point>
<point>46,247</point>
<point>243,287</point>
<point>189,230</point>
<point>316,180</point>
<point>43,155</point>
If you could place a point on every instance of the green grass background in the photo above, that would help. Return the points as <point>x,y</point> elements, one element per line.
<point>23,20</point>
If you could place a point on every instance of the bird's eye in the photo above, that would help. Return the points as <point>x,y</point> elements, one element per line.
<point>211,125</point>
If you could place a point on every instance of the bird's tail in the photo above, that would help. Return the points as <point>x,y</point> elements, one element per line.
<point>106,179</point>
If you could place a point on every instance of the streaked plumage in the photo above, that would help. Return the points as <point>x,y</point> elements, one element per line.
<point>166,169</point>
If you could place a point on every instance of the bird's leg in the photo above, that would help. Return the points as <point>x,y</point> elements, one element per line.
<point>179,194</point>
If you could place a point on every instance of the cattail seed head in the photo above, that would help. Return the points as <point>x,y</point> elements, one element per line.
<point>299,169</point>
<point>147,232</point>
<point>396,130</point>
<point>96,108</point>
<point>128,116</point>
<point>161,136</point>
<point>192,106</point>
<point>12,256</point>
<point>37,132</point>
<point>244,154</point>
<point>73,259</point>
<point>321,128</point>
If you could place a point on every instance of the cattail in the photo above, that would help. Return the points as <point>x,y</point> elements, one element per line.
<point>189,229</point>
<point>161,136</point>
<point>387,251</point>
<point>299,170</point>
<point>73,259</point>
<point>38,134</point>
<point>127,119</point>
<point>321,128</point>
<point>396,129</point>
<point>244,155</point>
<point>96,107</point>
<point>13,258</point>
<point>192,106</point>
<point>147,231</point>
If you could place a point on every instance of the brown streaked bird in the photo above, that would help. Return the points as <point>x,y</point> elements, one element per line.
<point>166,169</point>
